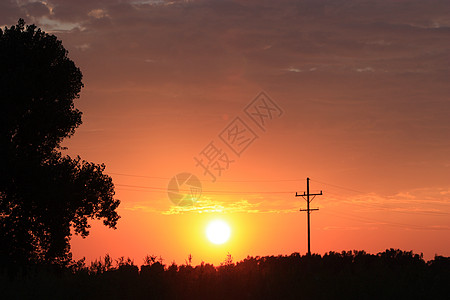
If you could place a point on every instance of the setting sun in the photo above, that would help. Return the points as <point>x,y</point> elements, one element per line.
<point>218,232</point>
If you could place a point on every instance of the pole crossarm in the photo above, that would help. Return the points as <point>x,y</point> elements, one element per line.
<point>304,194</point>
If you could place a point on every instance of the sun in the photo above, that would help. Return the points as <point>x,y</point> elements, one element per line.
<point>218,232</point>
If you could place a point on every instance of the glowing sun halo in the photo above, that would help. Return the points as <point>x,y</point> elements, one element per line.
<point>218,232</point>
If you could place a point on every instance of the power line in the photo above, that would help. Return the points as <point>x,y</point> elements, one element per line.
<point>205,191</point>
<point>379,206</point>
<point>340,187</point>
<point>139,176</point>
<point>168,178</point>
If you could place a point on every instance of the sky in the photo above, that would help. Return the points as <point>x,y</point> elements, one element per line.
<point>353,94</point>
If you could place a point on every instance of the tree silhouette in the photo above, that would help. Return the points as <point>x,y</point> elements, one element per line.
<point>43,194</point>
<point>392,274</point>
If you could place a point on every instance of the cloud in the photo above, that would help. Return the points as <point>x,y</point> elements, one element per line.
<point>36,9</point>
<point>257,205</point>
<point>366,69</point>
<point>292,69</point>
<point>10,12</point>
<point>229,41</point>
<point>431,202</point>
<point>206,205</point>
<point>413,202</point>
<point>98,13</point>
<point>343,228</point>
<point>83,47</point>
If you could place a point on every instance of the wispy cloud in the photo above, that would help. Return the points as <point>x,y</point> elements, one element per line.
<point>207,204</point>
<point>343,228</point>
<point>295,70</point>
<point>430,202</point>
<point>366,69</point>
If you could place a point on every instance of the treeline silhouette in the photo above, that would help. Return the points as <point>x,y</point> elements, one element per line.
<point>392,274</point>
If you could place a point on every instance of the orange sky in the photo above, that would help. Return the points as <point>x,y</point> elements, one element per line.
<point>365,98</point>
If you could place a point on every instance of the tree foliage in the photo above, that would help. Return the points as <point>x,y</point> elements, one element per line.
<point>43,194</point>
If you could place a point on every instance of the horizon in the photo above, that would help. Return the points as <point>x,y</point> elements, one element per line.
<point>357,100</point>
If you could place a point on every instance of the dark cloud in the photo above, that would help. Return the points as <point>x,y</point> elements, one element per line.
<point>76,11</point>
<point>36,9</point>
<point>9,12</point>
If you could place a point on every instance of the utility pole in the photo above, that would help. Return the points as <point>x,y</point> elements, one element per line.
<point>308,210</point>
